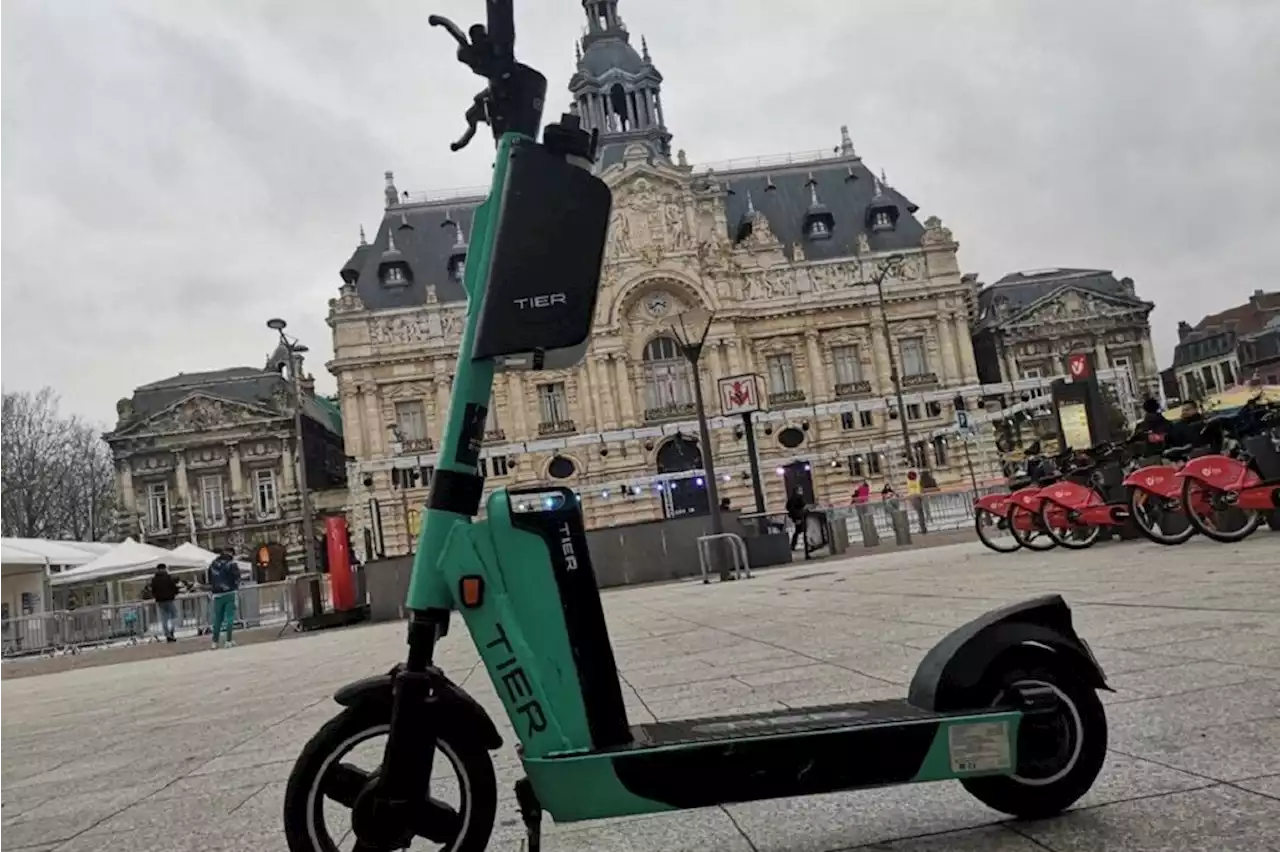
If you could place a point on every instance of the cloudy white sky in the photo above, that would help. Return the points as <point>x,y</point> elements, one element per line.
<point>174,173</point>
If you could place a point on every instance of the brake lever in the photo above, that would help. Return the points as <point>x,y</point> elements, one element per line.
<point>478,112</point>
<point>453,29</point>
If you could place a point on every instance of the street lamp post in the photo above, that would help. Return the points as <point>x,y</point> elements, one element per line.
<point>884,269</point>
<point>690,330</point>
<point>295,349</point>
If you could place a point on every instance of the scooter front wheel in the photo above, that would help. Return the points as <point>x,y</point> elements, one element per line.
<point>323,786</point>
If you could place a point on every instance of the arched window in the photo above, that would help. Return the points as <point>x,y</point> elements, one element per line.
<point>667,377</point>
<point>619,114</point>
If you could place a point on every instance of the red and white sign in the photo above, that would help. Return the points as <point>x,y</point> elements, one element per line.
<point>1078,365</point>
<point>739,395</point>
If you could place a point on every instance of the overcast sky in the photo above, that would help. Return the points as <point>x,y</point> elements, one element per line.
<point>175,173</point>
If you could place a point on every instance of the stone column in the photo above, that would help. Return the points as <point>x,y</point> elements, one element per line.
<point>1010,364</point>
<point>375,430</point>
<point>735,358</point>
<point>127,495</point>
<point>964,344</point>
<point>233,469</point>
<point>180,471</point>
<point>586,400</point>
<point>288,465</point>
<point>442,400</point>
<point>626,393</point>
<point>1100,355</point>
<point>952,371</point>
<point>819,390</point>
<point>519,407</point>
<point>880,359</point>
<point>604,393</point>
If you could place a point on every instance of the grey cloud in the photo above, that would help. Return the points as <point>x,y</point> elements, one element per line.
<point>175,173</point>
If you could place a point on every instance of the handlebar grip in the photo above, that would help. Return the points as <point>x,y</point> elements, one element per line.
<point>502,28</point>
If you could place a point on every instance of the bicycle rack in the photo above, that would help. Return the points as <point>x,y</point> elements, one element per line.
<point>738,547</point>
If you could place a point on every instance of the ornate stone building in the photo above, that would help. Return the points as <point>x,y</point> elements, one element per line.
<point>781,250</point>
<point>1028,323</point>
<point>1226,348</point>
<point>210,457</point>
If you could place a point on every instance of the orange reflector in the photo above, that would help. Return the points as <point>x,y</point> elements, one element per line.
<point>472,591</point>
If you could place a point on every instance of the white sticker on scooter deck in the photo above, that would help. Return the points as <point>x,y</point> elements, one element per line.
<point>979,747</point>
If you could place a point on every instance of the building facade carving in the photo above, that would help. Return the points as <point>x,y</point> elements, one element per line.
<point>211,458</point>
<point>1029,323</point>
<point>781,252</point>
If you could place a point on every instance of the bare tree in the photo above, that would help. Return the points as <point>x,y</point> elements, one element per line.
<point>56,474</point>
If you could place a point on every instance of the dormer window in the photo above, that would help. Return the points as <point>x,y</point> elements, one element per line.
<point>395,275</point>
<point>818,230</point>
<point>882,221</point>
<point>458,268</point>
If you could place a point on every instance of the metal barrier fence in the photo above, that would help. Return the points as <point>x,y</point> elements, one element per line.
<point>133,622</point>
<point>943,511</point>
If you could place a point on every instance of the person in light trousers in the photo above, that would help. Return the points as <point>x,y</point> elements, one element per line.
<point>164,590</point>
<point>224,582</point>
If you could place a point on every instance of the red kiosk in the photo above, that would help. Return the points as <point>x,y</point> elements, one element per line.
<point>345,604</point>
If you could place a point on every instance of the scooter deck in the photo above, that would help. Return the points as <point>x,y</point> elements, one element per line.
<point>746,757</point>
<point>770,723</point>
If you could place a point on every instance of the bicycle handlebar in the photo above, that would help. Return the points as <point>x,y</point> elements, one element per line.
<point>512,102</point>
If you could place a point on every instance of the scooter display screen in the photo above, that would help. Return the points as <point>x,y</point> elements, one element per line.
<point>535,502</point>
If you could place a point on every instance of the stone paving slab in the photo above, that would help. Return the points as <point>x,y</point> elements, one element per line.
<point>191,751</point>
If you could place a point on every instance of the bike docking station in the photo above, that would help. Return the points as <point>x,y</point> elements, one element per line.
<point>1007,704</point>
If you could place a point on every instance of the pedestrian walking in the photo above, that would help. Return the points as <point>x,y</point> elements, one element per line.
<point>164,591</point>
<point>224,582</point>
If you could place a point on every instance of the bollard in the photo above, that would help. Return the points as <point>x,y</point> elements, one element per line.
<point>867,523</point>
<point>901,524</point>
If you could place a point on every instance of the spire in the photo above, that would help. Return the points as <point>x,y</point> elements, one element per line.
<point>363,240</point>
<point>391,243</point>
<point>751,207</point>
<point>879,186</point>
<point>391,193</point>
<point>626,107</point>
<point>813,192</point>
<point>846,142</point>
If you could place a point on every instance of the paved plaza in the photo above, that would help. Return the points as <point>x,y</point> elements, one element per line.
<point>191,752</point>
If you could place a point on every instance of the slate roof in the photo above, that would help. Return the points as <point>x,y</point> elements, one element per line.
<point>1215,336</point>
<point>845,187</point>
<point>1021,290</point>
<point>244,384</point>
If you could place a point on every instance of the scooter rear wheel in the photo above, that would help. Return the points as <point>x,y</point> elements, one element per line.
<point>1059,756</point>
<point>320,775</point>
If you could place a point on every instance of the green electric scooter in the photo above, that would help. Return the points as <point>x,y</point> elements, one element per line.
<point>1007,704</point>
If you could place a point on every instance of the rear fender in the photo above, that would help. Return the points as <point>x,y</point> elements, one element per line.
<point>1158,479</point>
<point>1219,472</point>
<point>1027,498</point>
<point>996,504</point>
<point>453,704</point>
<point>949,676</point>
<point>1070,495</point>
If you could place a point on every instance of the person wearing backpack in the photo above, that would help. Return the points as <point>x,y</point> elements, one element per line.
<point>164,591</point>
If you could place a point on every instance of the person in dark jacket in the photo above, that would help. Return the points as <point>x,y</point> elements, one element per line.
<point>224,582</point>
<point>1187,430</point>
<point>1154,427</point>
<point>164,590</point>
<point>796,512</point>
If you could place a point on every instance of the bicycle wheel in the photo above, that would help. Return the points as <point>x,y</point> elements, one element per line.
<point>1033,537</point>
<point>1210,512</point>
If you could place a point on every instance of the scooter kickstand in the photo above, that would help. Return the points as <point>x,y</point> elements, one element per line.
<point>531,813</point>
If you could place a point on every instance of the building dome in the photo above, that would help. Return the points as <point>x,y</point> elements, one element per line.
<point>605,55</point>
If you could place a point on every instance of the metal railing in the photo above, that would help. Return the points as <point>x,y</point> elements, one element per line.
<point>135,622</point>
<point>737,550</point>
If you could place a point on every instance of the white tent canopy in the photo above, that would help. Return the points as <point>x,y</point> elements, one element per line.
<point>38,551</point>
<point>187,551</point>
<point>130,558</point>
